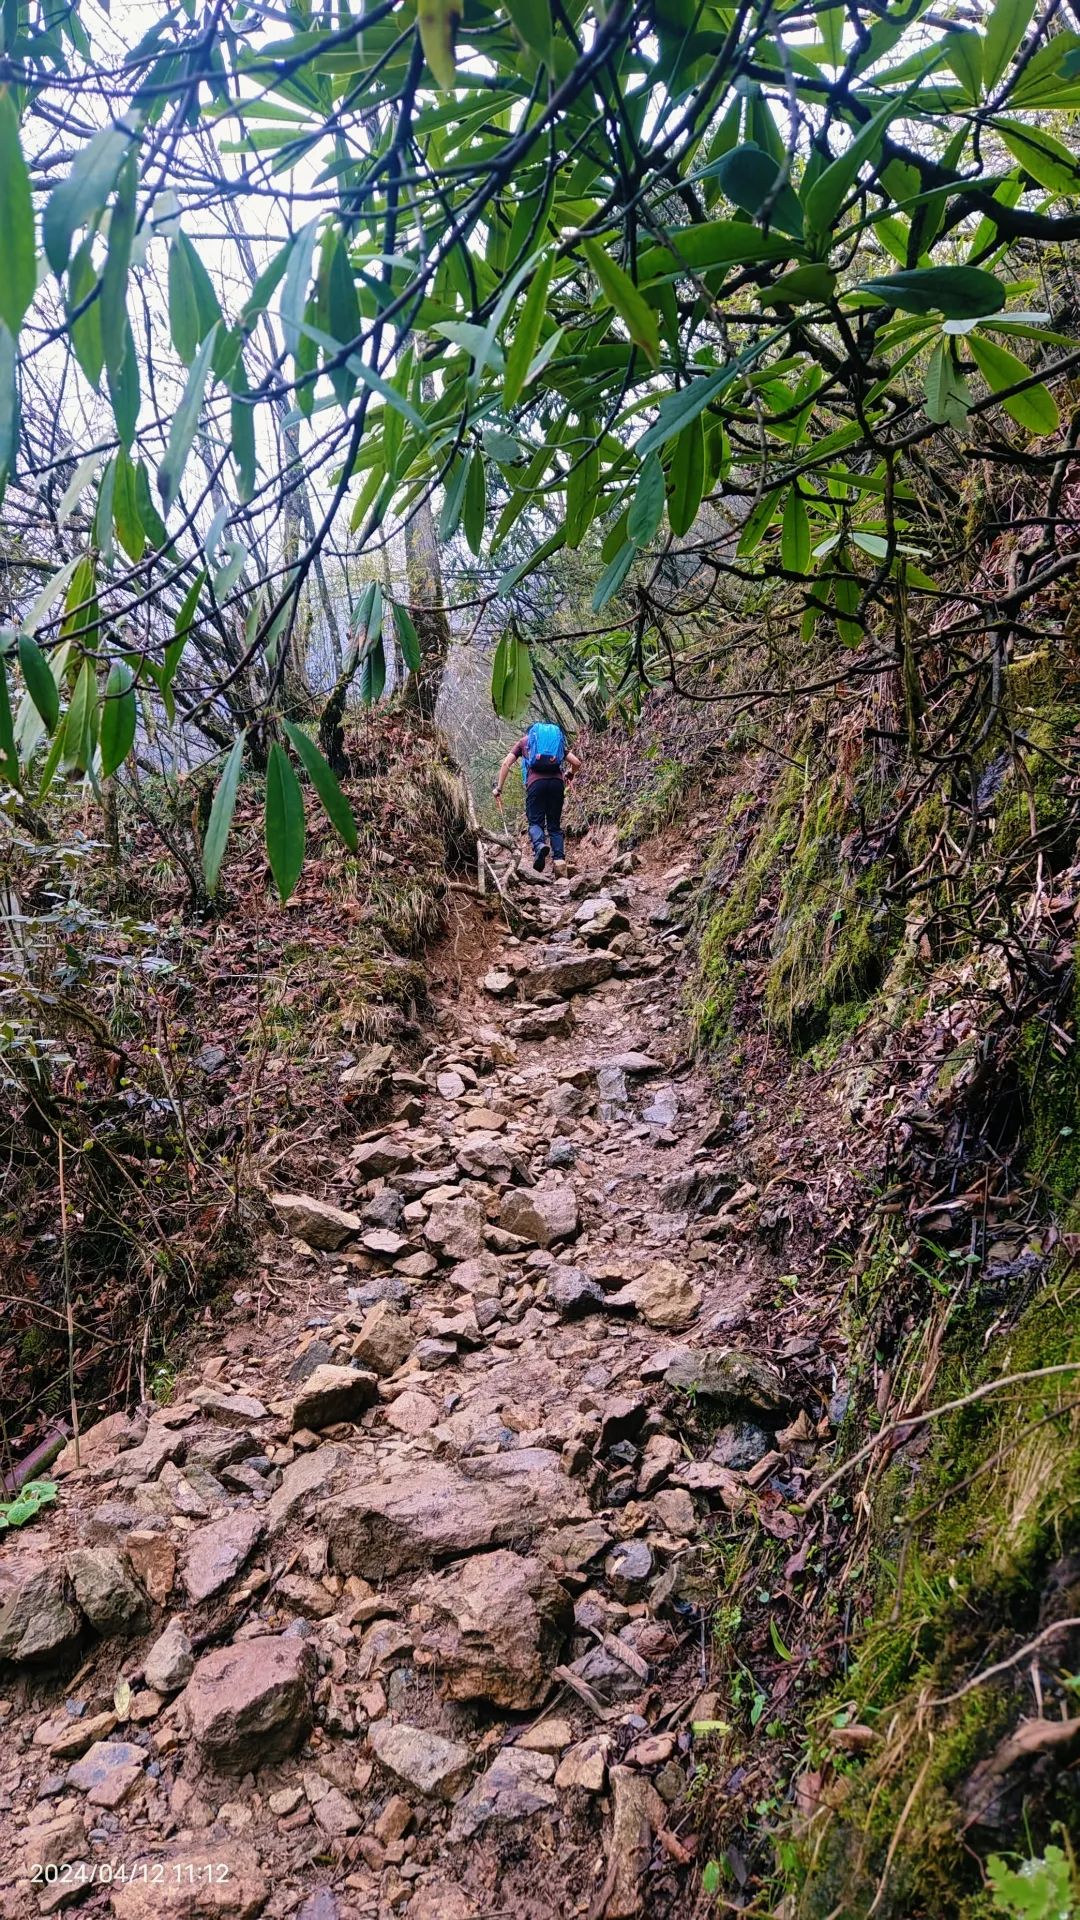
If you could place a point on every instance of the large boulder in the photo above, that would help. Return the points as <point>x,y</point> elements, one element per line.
<point>330,1394</point>
<point>38,1625</point>
<point>739,1382</point>
<point>389,1525</point>
<point>315,1222</point>
<point>251,1703</point>
<point>541,1214</point>
<point>426,1762</point>
<point>496,1625</point>
<point>109,1595</point>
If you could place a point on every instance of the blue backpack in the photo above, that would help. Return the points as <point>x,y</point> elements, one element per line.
<point>545,751</point>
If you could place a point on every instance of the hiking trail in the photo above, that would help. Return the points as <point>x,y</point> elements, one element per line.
<point>385,1613</point>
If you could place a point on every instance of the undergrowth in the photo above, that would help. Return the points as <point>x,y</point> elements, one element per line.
<point>161,1062</point>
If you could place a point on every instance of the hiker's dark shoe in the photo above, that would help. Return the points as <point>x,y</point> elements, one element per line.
<point>541,860</point>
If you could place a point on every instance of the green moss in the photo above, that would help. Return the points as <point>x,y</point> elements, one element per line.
<point>996,1504</point>
<point>831,933</point>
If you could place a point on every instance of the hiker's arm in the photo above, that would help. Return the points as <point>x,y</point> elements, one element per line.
<point>504,771</point>
<point>573,765</point>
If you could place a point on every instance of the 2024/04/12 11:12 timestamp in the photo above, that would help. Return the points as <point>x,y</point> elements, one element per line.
<point>155,1873</point>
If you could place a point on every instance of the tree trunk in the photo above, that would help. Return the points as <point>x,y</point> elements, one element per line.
<point>427,610</point>
<point>426,604</point>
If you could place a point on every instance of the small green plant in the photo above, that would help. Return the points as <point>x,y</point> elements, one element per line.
<point>163,1383</point>
<point>1037,1890</point>
<point>28,1504</point>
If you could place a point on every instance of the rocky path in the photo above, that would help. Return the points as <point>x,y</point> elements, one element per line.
<point>387,1613</point>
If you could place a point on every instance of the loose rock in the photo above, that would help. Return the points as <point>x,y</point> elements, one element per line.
<point>498,1624</point>
<point>332,1394</point>
<point>216,1553</point>
<point>541,1215</point>
<point>316,1222</point>
<point>433,1766</point>
<point>251,1703</point>
<point>170,1661</point>
<point>111,1599</point>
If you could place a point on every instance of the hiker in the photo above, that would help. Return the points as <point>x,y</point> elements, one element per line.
<point>547,763</point>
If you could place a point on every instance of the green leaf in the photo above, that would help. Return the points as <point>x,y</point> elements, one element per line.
<point>795,534</point>
<point>437,22</point>
<point>825,198</point>
<point>1005,29</point>
<point>119,714</point>
<point>687,479</point>
<point>582,483</point>
<point>963,49</point>
<point>242,422</point>
<point>231,568</point>
<point>948,398</point>
<point>511,678</point>
<point>519,358</point>
<point>79,198</point>
<point>18,278</point>
<point>960,293</point>
<point>1036,408</point>
<point>677,410</point>
<point>373,672</point>
<point>640,320</point>
<point>115,333</point>
<point>103,516</point>
<point>613,575</point>
<point>9,759</point>
<point>476,503</point>
<point>86,330</point>
<point>81,724</point>
<point>408,638</point>
<point>798,288</point>
<point>221,814</point>
<point>297,280</point>
<point>647,508</point>
<point>9,403</point>
<point>533,25</point>
<point>749,177</point>
<point>183,306</point>
<point>714,243</point>
<point>336,807</point>
<point>40,684</point>
<point>127,517</point>
<point>148,513</point>
<point>453,501</point>
<point>123,383</point>
<point>775,1636</point>
<point>184,424</point>
<point>1047,160</point>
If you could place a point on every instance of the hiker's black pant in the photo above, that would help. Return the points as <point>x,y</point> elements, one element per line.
<point>543,811</point>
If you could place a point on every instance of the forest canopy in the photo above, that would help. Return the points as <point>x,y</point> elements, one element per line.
<point>275,279</point>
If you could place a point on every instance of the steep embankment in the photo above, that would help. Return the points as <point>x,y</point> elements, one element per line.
<point>398,1606</point>
<point>885,991</point>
